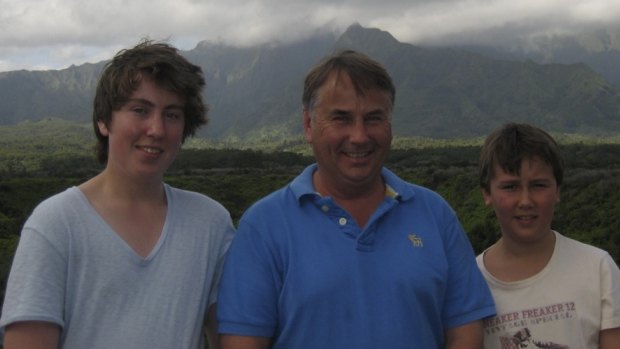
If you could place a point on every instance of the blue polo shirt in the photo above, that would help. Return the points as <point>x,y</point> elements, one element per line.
<point>302,272</point>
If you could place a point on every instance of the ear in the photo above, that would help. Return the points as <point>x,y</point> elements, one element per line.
<point>486,196</point>
<point>103,129</point>
<point>307,125</point>
<point>557,194</point>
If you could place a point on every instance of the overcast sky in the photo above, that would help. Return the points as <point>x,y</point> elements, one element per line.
<point>53,34</point>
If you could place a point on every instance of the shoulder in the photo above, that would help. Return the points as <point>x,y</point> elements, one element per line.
<point>59,208</point>
<point>280,200</point>
<point>50,230</point>
<point>411,191</point>
<point>191,200</point>
<point>575,248</point>
<point>191,210</point>
<point>70,195</point>
<point>583,257</point>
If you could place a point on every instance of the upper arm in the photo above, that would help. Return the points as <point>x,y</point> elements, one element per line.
<point>610,303</point>
<point>468,336</point>
<point>243,342</point>
<point>610,338</point>
<point>250,286</point>
<point>211,328</point>
<point>31,335</point>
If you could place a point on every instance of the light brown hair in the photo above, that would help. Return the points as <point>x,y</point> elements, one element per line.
<point>123,74</point>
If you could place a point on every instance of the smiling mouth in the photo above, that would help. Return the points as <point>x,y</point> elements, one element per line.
<point>151,150</point>
<point>526,217</point>
<point>357,155</point>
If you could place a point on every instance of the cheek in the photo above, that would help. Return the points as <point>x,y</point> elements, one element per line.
<point>179,132</point>
<point>551,203</point>
<point>501,206</point>
<point>386,132</point>
<point>327,135</point>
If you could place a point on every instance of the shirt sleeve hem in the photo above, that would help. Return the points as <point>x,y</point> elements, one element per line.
<point>231,328</point>
<point>471,317</point>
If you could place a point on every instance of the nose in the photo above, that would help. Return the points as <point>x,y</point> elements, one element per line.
<point>525,198</point>
<point>358,132</point>
<point>156,126</point>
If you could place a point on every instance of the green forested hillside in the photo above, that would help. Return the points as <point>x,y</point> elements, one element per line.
<point>589,209</point>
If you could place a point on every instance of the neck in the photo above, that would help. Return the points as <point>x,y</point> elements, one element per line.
<point>122,189</point>
<point>359,201</point>
<point>543,247</point>
<point>512,261</point>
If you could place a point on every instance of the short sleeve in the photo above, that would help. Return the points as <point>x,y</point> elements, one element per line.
<point>610,297</point>
<point>468,296</point>
<point>36,284</point>
<point>249,286</point>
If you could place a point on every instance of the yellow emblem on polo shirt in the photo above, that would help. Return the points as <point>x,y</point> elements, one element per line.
<point>416,240</point>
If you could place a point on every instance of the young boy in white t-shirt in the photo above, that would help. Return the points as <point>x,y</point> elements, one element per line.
<point>550,291</point>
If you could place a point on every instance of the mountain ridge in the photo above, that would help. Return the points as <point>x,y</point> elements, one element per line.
<point>254,93</point>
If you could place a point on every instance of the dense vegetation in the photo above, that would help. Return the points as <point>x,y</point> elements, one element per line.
<point>589,210</point>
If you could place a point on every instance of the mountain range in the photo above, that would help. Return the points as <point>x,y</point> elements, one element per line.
<point>598,48</point>
<point>254,93</point>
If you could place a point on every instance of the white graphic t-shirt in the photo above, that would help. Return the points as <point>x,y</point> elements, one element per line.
<point>566,305</point>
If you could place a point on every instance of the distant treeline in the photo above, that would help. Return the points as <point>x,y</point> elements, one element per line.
<point>589,209</point>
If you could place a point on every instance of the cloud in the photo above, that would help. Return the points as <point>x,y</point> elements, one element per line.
<point>57,33</point>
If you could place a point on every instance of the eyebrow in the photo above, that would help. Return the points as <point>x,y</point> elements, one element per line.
<point>151,104</point>
<point>381,111</point>
<point>516,179</point>
<point>338,111</point>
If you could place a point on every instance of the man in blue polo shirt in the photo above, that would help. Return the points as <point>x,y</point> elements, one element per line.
<point>348,255</point>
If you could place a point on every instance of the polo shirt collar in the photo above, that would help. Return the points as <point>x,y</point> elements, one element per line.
<point>396,187</point>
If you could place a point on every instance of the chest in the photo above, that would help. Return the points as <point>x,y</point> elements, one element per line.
<point>140,228</point>
<point>336,260</point>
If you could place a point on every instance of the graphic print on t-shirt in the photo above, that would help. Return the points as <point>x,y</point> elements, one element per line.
<point>553,326</point>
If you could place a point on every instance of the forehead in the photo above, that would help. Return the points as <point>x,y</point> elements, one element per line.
<point>149,88</point>
<point>339,87</point>
<point>535,165</point>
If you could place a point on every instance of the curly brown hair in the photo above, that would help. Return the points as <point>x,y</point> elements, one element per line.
<point>123,74</point>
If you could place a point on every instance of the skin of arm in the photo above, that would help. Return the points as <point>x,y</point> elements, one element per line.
<point>468,336</point>
<point>32,335</point>
<point>610,338</point>
<point>244,342</point>
<point>211,328</point>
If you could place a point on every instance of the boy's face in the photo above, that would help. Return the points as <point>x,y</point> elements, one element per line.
<point>145,135</point>
<point>524,204</point>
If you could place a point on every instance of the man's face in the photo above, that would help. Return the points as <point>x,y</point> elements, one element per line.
<point>350,133</point>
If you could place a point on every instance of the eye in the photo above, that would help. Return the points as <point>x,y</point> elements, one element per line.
<point>341,118</point>
<point>509,187</point>
<point>174,115</point>
<point>540,185</point>
<point>374,119</point>
<point>139,110</point>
